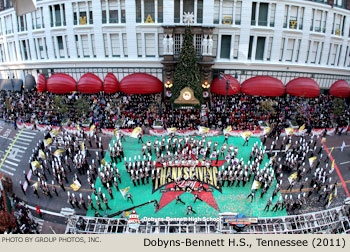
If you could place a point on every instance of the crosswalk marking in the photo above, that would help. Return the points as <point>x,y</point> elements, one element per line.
<point>15,158</point>
<point>17,150</point>
<point>9,173</point>
<point>27,136</point>
<point>18,146</point>
<point>24,139</point>
<point>8,167</point>
<point>11,163</point>
<point>19,141</point>
<point>30,132</point>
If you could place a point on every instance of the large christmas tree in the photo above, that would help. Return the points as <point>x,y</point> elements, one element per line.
<point>187,72</point>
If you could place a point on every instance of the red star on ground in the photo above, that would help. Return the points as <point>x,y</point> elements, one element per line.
<point>207,197</point>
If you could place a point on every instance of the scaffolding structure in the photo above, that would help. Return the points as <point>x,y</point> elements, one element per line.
<point>335,220</point>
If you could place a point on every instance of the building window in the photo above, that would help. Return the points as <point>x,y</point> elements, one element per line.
<point>260,48</point>
<point>41,48</point>
<point>198,44</point>
<point>227,12</point>
<point>150,44</point>
<point>57,15</point>
<point>195,6</point>
<point>82,13</point>
<point>85,46</point>
<point>236,47</point>
<point>149,11</point>
<point>8,24</point>
<point>314,52</point>
<point>289,50</point>
<point>105,44</point>
<point>115,42</point>
<point>250,49</point>
<point>338,24</point>
<point>110,11</point>
<point>93,45</point>
<point>37,19</point>
<point>177,43</point>
<point>225,47</point>
<point>318,21</point>
<point>25,50</point>
<point>293,17</point>
<point>282,48</point>
<point>160,44</point>
<point>139,45</point>
<point>22,23</point>
<point>269,49</point>
<point>334,54</point>
<point>260,14</point>
<point>125,45</point>
<point>296,58</point>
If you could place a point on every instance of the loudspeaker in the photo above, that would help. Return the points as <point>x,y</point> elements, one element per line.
<point>24,6</point>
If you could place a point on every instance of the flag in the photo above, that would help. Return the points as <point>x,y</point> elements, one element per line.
<point>330,199</point>
<point>47,142</point>
<point>42,154</point>
<point>35,164</point>
<point>202,130</point>
<point>171,130</point>
<point>92,128</point>
<point>287,147</point>
<point>246,134</point>
<point>342,147</point>
<point>115,131</point>
<point>54,132</point>
<point>103,161</point>
<point>267,130</point>
<point>292,177</point>
<point>312,160</point>
<point>256,185</point>
<point>323,140</point>
<point>135,133</point>
<point>333,164</point>
<point>76,185</point>
<point>228,129</point>
<point>35,185</point>
<point>289,131</point>
<point>124,191</point>
<point>82,146</point>
<point>331,151</point>
<point>302,127</point>
<point>77,127</point>
<point>58,153</point>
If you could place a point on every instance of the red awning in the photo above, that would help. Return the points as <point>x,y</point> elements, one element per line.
<point>140,83</point>
<point>89,83</point>
<point>219,86</point>
<point>340,89</point>
<point>304,87</point>
<point>61,83</point>
<point>41,83</point>
<point>110,84</point>
<point>263,86</point>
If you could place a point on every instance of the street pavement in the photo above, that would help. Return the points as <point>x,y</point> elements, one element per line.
<point>342,162</point>
<point>16,147</point>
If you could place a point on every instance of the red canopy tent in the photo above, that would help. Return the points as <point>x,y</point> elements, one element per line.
<point>140,83</point>
<point>263,86</point>
<point>110,84</point>
<point>61,83</point>
<point>41,83</point>
<point>304,87</point>
<point>340,89</point>
<point>219,86</point>
<point>89,83</point>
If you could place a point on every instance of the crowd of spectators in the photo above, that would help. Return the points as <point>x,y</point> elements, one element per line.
<point>127,111</point>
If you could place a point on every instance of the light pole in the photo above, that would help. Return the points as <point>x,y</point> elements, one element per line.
<point>222,76</point>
